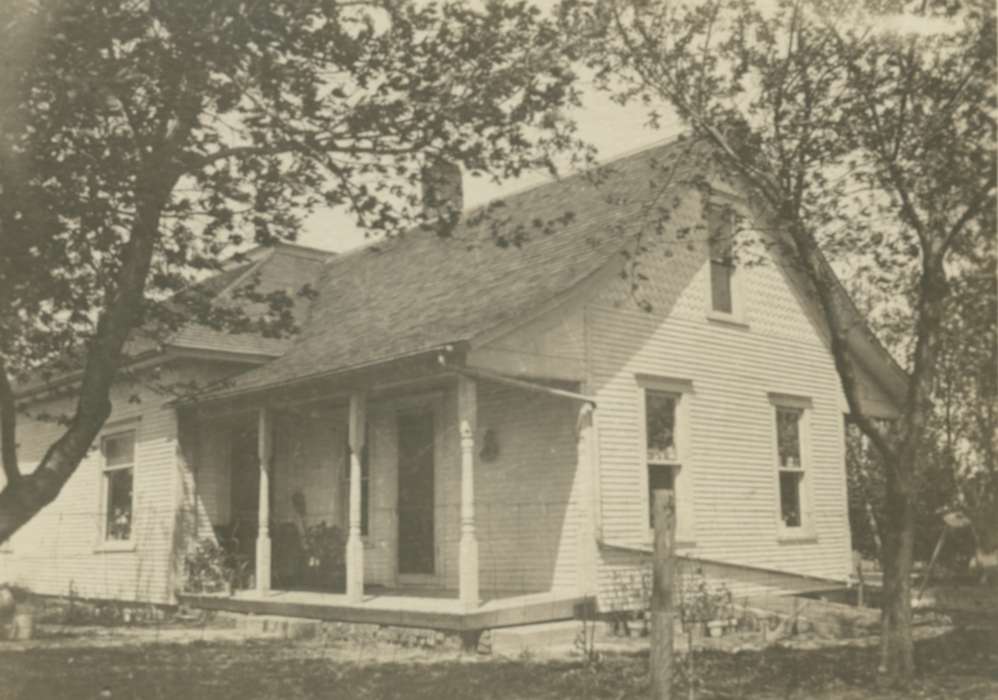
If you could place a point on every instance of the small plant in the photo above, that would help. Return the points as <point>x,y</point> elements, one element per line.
<point>210,568</point>
<point>325,556</point>
<point>585,640</point>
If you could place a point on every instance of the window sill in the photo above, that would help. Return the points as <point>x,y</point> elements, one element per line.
<point>107,547</point>
<point>803,536</point>
<point>733,320</point>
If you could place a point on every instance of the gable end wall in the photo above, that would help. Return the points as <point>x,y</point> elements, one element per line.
<point>730,462</point>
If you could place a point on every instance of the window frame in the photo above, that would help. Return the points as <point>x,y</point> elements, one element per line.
<point>104,544</point>
<point>804,407</point>
<point>681,391</point>
<point>736,282</point>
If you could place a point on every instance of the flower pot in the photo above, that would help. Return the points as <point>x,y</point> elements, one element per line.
<point>23,626</point>
<point>716,628</point>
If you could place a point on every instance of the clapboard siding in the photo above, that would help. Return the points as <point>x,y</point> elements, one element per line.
<point>527,498</point>
<point>733,368</point>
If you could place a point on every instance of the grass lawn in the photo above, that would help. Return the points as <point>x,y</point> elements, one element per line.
<point>957,665</point>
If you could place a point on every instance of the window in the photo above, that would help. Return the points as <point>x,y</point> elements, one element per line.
<point>118,473</point>
<point>364,486</point>
<point>661,456</point>
<point>790,464</point>
<point>722,260</point>
<point>664,407</point>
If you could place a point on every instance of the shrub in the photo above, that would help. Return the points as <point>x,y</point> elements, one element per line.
<point>325,550</point>
<point>210,568</point>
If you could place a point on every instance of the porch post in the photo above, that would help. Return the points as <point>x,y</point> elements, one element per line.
<point>586,534</point>
<point>355,546</point>
<point>263,549</point>
<point>467,410</point>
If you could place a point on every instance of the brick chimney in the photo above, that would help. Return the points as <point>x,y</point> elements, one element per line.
<point>443,193</point>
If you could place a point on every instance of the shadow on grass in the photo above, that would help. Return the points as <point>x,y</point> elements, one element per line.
<point>959,664</point>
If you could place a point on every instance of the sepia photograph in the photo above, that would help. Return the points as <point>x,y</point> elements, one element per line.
<point>498,349</point>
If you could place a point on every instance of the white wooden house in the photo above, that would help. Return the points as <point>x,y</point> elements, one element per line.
<point>483,421</point>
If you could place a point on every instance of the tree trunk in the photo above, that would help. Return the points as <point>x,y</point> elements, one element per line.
<point>21,498</point>
<point>897,652</point>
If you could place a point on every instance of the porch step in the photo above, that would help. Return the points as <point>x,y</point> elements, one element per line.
<point>513,641</point>
<point>277,626</point>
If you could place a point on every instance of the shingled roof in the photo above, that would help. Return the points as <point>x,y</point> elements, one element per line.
<point>422,291</point>
<point>284,267</point>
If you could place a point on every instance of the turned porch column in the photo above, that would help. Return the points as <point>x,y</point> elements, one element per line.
<point>585,507</point>
<point>467,410</point>
<point>263,548</point>
<point>355,546</point>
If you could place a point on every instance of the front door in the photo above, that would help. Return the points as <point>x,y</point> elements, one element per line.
<point>415,494</point>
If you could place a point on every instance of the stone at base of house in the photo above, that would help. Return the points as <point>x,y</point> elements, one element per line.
<point>297,628</point>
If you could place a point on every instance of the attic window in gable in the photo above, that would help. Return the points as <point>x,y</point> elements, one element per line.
<point>721,233</point>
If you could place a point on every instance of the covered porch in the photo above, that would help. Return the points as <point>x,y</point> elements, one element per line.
<point>457,498</point>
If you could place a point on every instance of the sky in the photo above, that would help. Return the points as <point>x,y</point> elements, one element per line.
<point>612,129</point>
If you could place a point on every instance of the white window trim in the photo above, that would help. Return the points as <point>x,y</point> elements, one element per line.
<point>682,390</point>
<point>806,531</point>
<point>104,544</point>
<point>739,287</point>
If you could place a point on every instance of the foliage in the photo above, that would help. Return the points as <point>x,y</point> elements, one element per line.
<point>325,551</point>
<point>211,568</point>
<point>141,142</point>
<point>935,493</point>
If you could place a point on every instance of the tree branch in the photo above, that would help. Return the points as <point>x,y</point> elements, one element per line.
<point>8,428</point>
<point>972,210</point>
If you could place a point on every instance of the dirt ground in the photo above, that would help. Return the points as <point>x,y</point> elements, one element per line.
<point>961,664</point>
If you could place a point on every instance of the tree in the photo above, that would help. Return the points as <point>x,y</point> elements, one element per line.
<point>141,141</point>
<point>862,144</point>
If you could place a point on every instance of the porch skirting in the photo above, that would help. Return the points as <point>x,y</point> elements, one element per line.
<point>445,614</point>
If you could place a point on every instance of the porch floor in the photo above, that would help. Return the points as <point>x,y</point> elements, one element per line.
<point>433,609</point>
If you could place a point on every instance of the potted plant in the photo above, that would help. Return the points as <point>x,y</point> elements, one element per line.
<point>709,606</point>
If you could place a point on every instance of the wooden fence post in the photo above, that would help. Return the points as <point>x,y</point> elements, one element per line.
<point>660,658</point>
